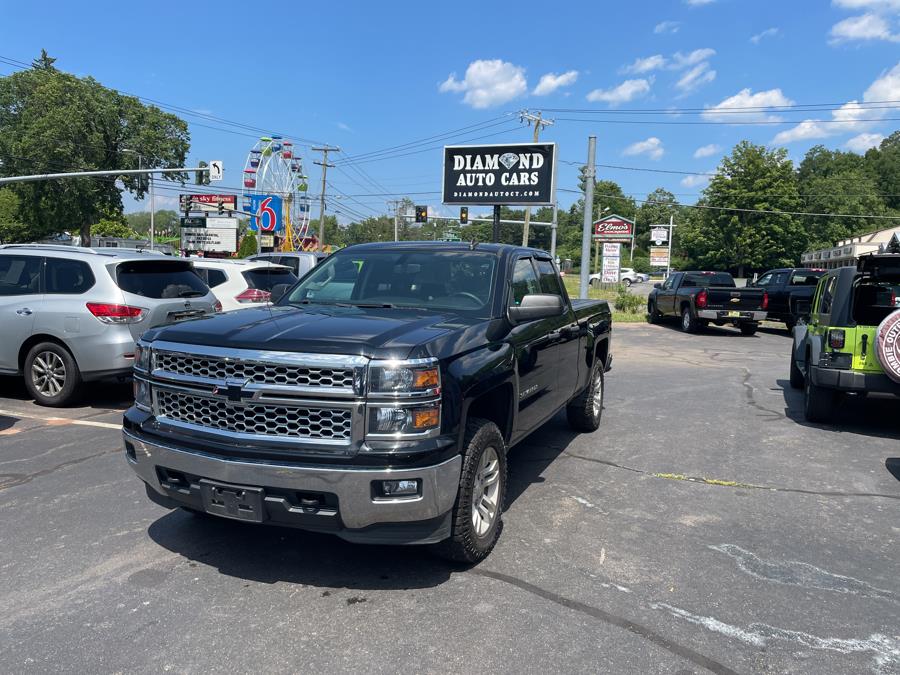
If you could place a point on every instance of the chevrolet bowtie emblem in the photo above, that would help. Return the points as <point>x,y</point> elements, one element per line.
<point>233,390</point>
<point>735,299</point>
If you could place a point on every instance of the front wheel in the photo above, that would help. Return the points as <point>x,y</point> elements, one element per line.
<point>652,314</point>
<point>627,283</point>
<point>51,375</point>
<point>478,511</point>
<point>584,411</point>
<point>688,322</point>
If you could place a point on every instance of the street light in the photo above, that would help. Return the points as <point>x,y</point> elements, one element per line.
<point>152,201</point>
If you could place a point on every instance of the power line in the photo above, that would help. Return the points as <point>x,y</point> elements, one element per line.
<point>720,123</point>
<point>792,107</point>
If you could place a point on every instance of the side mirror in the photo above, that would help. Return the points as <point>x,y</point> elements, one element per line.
<point>278,292</point>
<point>657,285</point>
<point>536,306</point>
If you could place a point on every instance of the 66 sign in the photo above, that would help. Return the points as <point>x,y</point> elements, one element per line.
<point>268,212</point>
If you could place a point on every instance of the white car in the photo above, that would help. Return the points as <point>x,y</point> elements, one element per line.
<point>627,276</point>
<point>242,283</point>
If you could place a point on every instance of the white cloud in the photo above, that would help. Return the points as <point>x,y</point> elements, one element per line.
<point>694,180</point>
<point>695,78</point>
<point>863,142</point>
<point>680,60</point>
<point>868,4</point>
<point>767,33</point>
<point>698,3</point>
<point>886,87</point>
<point>652,147</point>
<point>667,27</point>
<point>645,65</point>
<point>551,82</point>
<point>706,150</point>
<point>745,98</point>
<point>345,127</point>
<point>627,91</point>
<point>488,83</point>
<point>863,27</point>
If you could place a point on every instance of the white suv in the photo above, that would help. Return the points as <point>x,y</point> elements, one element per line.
<point>242,283</point>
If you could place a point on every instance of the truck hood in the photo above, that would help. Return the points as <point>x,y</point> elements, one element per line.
<point>375,333</point>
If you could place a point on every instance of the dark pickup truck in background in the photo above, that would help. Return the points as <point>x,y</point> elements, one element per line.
<point>790,290</point>
<point>376,399</point>
<point>701,298</point>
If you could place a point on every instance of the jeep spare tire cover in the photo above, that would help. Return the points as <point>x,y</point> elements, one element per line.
<point>887,345</point>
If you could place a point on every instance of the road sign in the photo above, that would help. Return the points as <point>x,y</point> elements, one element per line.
<point>209,239</point>
<point>659,256</point>
<point>614,228</point>
<point>659,234</point>
<point>216,170</point>
<point>522,174</point>
<point>268,208</point>
<point>211,202</point>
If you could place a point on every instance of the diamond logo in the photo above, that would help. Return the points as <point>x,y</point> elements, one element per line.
<point>509,159</point>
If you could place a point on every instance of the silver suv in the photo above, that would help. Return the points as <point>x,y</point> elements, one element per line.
<point>71,315</point>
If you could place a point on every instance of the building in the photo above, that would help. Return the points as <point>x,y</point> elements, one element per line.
<point>846,252</point>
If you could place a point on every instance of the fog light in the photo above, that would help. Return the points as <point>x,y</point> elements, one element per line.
<point>399,488</point>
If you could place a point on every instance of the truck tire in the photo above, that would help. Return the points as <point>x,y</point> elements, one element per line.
<point>797,379</point>
<point>789,323</point>
<point>819,403</point>
<point>51,375</point>
<point>688,322</point>
<point>748,329</point>
<point>478,510</point>
<point>652,315</point>
<point>584,411</point>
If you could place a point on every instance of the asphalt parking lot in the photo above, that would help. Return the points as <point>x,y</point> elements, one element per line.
<point>704,527</point>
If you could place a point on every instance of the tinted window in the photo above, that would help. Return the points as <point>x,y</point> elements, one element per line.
<point>780,279</point>
<point>266,278</point>
<point>707,280</point>
<point>827,296</point>
<point>806,278</point>
<point>873,301</point>
<point>19,274</point>
<point>68,276</point>
<point>215,278</point>
<point>459,280</point>
<point>549,279</point>
<point>671,281</point>
<point>524,281</point>
<point>764,280</point>
<point>160,279</point>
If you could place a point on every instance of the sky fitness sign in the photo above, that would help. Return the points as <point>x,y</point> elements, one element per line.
<point>517,174</point>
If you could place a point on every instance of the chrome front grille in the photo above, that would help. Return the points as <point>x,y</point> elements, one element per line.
<point>223,369</point>
<point>257,419</point>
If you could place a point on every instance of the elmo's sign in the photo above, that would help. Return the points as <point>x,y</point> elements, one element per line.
<point>614,228</point>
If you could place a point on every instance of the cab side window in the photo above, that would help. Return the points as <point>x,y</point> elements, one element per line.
<point>549,279</point>
<point>524,281</point>
<point>827,296</point>
<point>764,280</point>
<point>671,282</point>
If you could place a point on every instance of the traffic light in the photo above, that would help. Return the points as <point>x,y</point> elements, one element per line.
<point>143,182</point>
<point>202,177</point>
<point>185,203</point>
<point>220,205</point>
<point>463,215</point>
<point>421,214</point>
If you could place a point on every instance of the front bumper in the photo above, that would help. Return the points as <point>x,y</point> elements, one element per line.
<point>853,381</point>
<point>722,315</point>
<point>348,503</point>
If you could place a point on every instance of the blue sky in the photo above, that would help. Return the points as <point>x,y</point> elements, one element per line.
<point>368,76</point>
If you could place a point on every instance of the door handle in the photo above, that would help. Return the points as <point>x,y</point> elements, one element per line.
<point>25,311</point>
<point>555,335</point>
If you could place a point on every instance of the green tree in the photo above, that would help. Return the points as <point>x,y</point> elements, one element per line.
<point>51,122</point>
<point>659,206</point>
<point>165,221</point>
<point>108,227</point>
<point>727,234</point>
<point>248,245</point>
<point>11,229</point>
<point>884,163</point>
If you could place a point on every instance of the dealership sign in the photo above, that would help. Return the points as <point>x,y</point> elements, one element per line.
<point>518,174</point>
<point>209,239</point>
<point>614,228</point>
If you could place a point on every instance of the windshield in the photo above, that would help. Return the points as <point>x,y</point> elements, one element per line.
<point>160,279</point>
<point>873,301</point>
<point>455,280</point>
<point>806,277</point>
<point>707,280</point>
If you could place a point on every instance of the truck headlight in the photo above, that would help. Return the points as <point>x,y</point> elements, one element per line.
<point>142,356</point>
<point>405,377</point>
<point>409,420</point>
<point>141,394</point>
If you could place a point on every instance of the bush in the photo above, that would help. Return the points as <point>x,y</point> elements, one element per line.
<point>627,302</point>
<point>248,245</point>
<point>641,264</point>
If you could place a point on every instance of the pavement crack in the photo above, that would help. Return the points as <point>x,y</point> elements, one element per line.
<point>9,480</point>
<point>649,634</point>
<point>718,482</point>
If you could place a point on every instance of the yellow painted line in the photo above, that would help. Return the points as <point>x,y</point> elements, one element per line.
<point>707,481</point>
<point>59,421</point>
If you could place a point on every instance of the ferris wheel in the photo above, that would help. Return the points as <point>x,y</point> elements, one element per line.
<point>274,168</point>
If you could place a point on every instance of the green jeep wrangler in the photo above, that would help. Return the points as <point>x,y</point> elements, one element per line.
<point>851,343</point>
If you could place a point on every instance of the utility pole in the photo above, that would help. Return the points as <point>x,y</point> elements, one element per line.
<point>396,204</point>
<point>553,228</point>
<point>671,231</point>
<point>589,173</point>
<point>324,164</point>
<point>539,123</point>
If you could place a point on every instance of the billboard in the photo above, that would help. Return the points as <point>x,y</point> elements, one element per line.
<point>210,202</point>
<point>209,239</point>
<point>268,207</point>
<point>515,174</point>
<point>659,256</point>
<point>614,228</point>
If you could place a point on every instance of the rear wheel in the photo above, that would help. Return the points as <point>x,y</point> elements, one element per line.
<point>819,403</point>
<point>797,379</point>
<point>748,328</point>
<point>584,411</point>
<point>688,322</point>
<point>627,283</point>
<point>51,375</point>
<point>477,513</point>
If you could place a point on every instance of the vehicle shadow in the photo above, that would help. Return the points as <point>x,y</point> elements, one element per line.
<point>268,554</point>
<point>711,330</point>
<point>869,416</point>
<point>97,395</point>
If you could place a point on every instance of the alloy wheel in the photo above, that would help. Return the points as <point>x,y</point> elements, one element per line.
<point>486,491</point>
<point>48,372</point>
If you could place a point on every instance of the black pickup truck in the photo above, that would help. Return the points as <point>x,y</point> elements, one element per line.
<point>790,292</point>
<point>376,399</point>
<point>701,298</point>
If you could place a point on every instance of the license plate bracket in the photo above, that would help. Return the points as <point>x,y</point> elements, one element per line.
<point>238,502</point>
